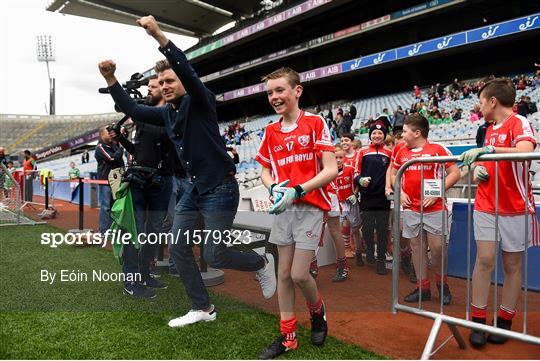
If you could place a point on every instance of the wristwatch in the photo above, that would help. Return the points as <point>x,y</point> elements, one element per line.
<point>300,191</point>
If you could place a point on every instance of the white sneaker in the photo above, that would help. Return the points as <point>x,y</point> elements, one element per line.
<point>194,316</point>
<point>267,277</point>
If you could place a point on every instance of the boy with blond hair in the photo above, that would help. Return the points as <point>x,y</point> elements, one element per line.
<point>298,162</point>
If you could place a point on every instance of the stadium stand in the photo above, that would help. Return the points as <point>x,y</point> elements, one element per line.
<point>36,131</point>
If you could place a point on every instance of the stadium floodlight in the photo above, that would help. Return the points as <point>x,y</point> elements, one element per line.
<point>45,52</point>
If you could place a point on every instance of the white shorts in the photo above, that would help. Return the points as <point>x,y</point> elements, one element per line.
<point>335,210</point>
<point>351,213</point>
<point>511,230</point>
<point>432,223</point>
<point>301,225</point>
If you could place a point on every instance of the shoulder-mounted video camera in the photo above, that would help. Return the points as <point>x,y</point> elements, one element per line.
<point>132,88</point>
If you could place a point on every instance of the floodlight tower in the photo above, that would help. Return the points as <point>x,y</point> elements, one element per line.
<point>45,52</point>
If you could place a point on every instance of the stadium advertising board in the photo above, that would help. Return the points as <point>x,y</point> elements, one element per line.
<point>325,39</point>
<point>261,25</point>
<point>506,28</point>
<point>71,143</point>
<point>418,8</point>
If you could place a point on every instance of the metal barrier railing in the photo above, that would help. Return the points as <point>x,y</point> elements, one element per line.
<point>440,317</point>
<point>10,209</point>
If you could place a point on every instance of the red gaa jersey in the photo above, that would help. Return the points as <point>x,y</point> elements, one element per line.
<point>351,161</point>
<point>294,153</point>
<point>411,180</point>
<point>344,182</point>
<point>512,175</point>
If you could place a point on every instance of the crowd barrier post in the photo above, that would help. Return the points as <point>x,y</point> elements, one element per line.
<point>439,318</point>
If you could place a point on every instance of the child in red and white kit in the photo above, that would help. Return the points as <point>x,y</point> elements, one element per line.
<point>415,135</point>
<point>298,162</point>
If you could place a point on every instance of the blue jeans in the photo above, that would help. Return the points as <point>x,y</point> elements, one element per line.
<point>105,202</point>
<point>217,208</point>
<point>177,192</point>
<point>150,205</point>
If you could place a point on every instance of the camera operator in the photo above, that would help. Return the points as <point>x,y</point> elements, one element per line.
<point>211,189</point>
<point>150,175</point>
<point>108,156</point>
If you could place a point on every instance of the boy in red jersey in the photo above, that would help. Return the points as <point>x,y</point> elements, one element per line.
<point>507,133</point>
<point>298,162</point>
<point>373,162</point>
<point>405,248</point>
<point>341,192</point>
<point>343,186</point>
<point>415,134</point>
<point>351,221</point>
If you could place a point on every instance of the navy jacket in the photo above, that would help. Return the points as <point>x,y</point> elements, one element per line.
<point>108,157</point>
<point>192,126</point>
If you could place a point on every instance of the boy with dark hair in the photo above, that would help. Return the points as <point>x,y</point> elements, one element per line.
<point>507,133</point>
<point>298,162</point>
<point>415,135</point>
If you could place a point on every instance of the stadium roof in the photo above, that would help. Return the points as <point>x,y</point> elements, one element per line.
<point>195,18</point>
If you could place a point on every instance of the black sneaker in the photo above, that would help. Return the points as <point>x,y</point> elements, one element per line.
<point>412,276</point>
<point>415,295</point>
<point>153,283</point>
<point>137,290</point>
<point>341,275</point>
<point>503,324</point>
<point>478,338</point>
<point>406,265</point>
<point>446,296</point>
<point>370,258</point>
<point>381,268</point>
<point>278,347</point>
<point>319,327</point>
<point>359,260</point>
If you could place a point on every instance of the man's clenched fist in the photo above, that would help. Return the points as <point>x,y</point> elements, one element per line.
<point>107,68</point>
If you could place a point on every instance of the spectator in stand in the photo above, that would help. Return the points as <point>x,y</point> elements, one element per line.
<point>85,158</point>
<point>341,125</point>
<point>330,115</point>
<point>481,134</point>
<point>399,118</point>
<point>417,92</point>
<point>456,86</point>
<point>473,117</point>
<point>108,155</point>
<point>532,105</point>
<point>353,112</point>
<point>456,114</point>
<point>522,84</point>
<point>347,122</point>
<point>523,107</point>
<point>29,166</point>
